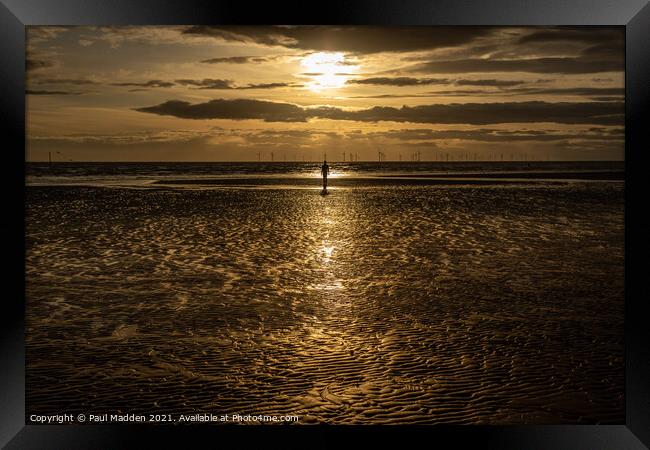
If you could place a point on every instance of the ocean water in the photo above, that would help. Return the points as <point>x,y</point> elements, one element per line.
<point>157,288</point>
<point>293,173</point>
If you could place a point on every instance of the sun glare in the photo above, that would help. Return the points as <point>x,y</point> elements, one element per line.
<point>327,70</point>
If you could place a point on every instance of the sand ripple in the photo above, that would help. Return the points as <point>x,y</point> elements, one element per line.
<point>473,304</point>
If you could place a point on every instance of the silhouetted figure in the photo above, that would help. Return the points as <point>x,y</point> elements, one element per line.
<point>325,171</point>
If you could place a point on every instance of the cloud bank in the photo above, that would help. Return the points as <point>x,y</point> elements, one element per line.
<point>601,113</point>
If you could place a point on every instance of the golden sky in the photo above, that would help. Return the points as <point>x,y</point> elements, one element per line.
<point>199,93</point>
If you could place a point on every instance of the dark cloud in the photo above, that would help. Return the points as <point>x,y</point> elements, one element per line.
<point>588,46</point>
<point>608,50</point>
<point>273,137</point>
<point>150,83</point>
<point>400,81</point>
<point>491,82</point>
<point>209,83</point>
<point>466,92</point>
<point>71,81</point>
<point>355,39</point>
<point>607,94</point>
<point>284,134</point>
<point>613,131</point>
<point>267,86</point>
<point>429,95</point>
<point>45,92</point>
<point>487,113</point>
<point>607,98</point>
<point>574,34</point>
<point>239,109</point>
<point>129,138</point>
<point>555,50</point>
<point>410,81</point>
<point>565,65</point>
<point>589,147</point>
<point>235,60</point>
<point>36,64</point>
<point>601,113</point>
<point>572,91</point>
<point>297,133</point>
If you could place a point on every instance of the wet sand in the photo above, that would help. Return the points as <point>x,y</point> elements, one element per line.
<point>472,304</point>
<point>530,175</point>
<point>451,178</point>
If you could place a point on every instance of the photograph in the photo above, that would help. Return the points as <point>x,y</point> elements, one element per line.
<point>325,224</point>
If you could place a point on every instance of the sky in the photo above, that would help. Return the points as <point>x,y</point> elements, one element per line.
<point>297,93</point>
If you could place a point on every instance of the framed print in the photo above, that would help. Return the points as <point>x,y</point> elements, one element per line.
<point>414,220</point>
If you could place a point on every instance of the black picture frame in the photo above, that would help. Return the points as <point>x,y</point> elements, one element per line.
<point>634,15</point>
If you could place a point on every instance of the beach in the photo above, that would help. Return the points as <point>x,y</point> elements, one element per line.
<point>487,295</point>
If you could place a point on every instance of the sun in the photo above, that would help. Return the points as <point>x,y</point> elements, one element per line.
<point>327,70</point>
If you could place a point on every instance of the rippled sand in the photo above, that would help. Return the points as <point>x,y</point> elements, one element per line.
<point>420,304</point>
